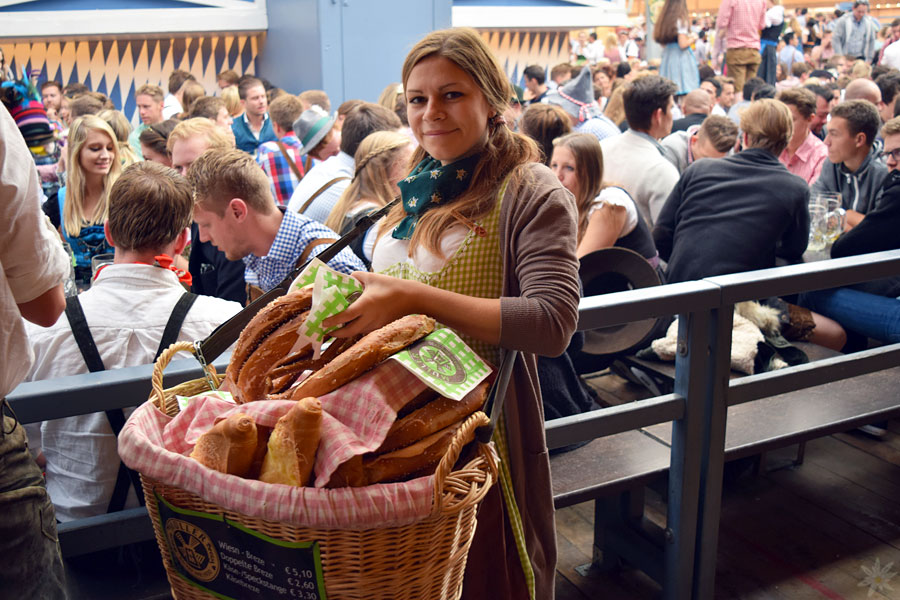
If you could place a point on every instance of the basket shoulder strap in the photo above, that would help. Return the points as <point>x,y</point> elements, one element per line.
<point>319,192</point>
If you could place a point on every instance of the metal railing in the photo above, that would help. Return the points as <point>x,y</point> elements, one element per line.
<point>697,408</point>
<point>703,393</point>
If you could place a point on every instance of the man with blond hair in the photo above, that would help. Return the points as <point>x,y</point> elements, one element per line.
<point>211,272</point>
<point>235,211</point>
<point>719,219</point>
<point>805,153</point>
<point>119,322</point>
<point>149,99</point>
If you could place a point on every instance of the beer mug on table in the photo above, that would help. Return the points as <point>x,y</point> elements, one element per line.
<point>826,219</point>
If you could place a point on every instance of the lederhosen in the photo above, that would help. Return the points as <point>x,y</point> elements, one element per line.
<point>116,417</point>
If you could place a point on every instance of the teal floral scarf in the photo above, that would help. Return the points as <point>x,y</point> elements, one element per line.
<point>430,184</point>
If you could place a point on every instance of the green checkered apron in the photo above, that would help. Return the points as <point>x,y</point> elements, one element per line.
<point>476,269</point>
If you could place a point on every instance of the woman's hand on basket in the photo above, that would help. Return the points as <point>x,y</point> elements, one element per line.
<point>384,300</point>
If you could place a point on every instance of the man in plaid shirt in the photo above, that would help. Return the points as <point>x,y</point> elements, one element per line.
<point>283,111</point>
<point>235,211</point>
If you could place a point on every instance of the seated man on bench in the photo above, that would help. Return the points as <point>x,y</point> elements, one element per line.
<point>119,322</point>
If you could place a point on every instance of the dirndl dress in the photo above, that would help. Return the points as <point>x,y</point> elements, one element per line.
<point>679,65</point>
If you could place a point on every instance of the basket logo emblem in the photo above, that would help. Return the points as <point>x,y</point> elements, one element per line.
<point>193,549</point>
<point>433,358</point>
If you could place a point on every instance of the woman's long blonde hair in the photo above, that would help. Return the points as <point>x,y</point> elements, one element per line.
<point>501,156</point>
<point>73,217</point>
<point>615,106</point>
<point>374,158</point>
<point>118,122</point>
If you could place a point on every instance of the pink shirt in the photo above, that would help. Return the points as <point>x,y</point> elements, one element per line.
<point>743,20</point>
<point>807,160</point>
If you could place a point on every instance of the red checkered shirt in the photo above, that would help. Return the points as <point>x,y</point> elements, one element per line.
<point>742,20</point>
<point>281,177</point>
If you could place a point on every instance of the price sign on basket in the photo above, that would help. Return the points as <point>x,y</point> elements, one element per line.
<point>231,561</point>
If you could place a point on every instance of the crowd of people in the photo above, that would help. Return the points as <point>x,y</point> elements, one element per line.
<point>214,199</point>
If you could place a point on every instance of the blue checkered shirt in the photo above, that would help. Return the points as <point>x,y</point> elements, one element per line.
<point>600,126</point>
<point>295,233</point>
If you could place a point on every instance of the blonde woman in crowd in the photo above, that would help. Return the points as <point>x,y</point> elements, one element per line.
<point>381,160</point>
<point>232,101</point>
<point>80,207</point>
<point>615,106</point>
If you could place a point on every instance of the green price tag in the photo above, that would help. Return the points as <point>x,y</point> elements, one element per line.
<point>445,364</point>
<point>231,561</point>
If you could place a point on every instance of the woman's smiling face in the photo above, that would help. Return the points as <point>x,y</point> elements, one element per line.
<point>97,153</point>
<point>447,111</point>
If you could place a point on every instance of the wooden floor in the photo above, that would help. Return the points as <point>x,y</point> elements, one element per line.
<point>792,533</point>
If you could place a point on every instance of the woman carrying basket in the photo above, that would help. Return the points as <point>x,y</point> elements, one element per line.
<point>485,243</point>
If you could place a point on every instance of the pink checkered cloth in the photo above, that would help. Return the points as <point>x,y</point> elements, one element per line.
<point>356,420</point>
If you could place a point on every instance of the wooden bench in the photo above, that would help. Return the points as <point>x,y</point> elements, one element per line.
<point>614,470</point>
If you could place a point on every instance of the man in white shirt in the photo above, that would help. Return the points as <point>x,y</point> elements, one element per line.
<point>172,101</point>
<point>126,311</point>
<point>33,267</point>
<point>635,159</point>
<point>319,190</point>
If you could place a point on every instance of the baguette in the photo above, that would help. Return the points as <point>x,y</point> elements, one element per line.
<point>293,444</point>
<point>418,459</point>
<point>434,416</point>
<point>365,354</point>
<point>229,446</point>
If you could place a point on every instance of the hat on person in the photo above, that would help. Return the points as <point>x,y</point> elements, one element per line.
<point>25,107</point>
<point>312,126</point>
<point>615,270</point>
<point>518,96</point>
<point>576,97</point>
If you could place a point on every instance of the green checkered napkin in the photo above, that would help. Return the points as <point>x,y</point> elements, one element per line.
<point>329,297</point>
<point>445,364</point>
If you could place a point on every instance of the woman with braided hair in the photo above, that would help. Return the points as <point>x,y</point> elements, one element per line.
<point>483,241</point>
<point>381,162</point>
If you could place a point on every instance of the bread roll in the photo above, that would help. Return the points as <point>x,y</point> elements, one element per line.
<point>365,354</point>
<point>293,444</point>
<point>434,416</point>
<point>349,474</point>
<point>415,460</point>
<point>228,447</point>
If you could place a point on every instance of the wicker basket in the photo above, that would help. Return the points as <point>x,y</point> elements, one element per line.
<point>423,560</point>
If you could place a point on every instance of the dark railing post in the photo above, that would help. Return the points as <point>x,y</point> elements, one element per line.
<point>691,364</point>
<point>713,460</point>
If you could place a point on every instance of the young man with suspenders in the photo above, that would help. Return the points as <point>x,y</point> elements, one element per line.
<point>135,308</point>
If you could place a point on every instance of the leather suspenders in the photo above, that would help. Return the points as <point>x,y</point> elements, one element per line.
<point>116,417</point>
